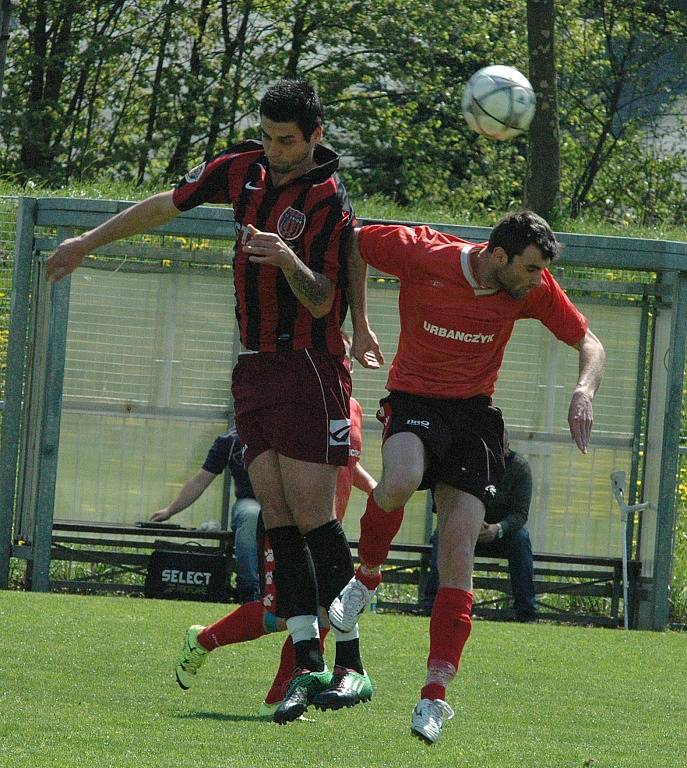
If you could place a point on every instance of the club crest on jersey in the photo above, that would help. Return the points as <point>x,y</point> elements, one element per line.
<point>291,224</point>
<point>195,173</point>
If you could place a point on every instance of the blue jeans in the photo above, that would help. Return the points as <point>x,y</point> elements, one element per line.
<point>517,549</point>
<point>244,521</point>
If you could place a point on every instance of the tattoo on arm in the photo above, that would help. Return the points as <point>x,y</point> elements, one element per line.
<point>310,288</point>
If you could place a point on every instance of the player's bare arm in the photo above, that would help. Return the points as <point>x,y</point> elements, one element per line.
<point>141,217</point>
<point>580,413</point>
<point>364,346</point>
<point>363,480</point>
<point>314,291</point>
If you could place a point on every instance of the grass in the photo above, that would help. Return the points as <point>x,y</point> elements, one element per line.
<point>87,681</point>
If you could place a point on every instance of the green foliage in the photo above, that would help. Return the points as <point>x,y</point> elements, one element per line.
<point>116,91</point>
<point>89,682</point>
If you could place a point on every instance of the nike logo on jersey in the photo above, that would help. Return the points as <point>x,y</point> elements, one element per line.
<point>452,333</point>
<point>250,185</point>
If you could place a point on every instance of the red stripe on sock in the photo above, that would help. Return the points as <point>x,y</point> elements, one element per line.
<point>377,530</point>
<point>245,623</point>
<point>449,629</point>
<point>371,580</point>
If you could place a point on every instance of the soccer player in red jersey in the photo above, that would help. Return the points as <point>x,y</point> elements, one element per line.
<point>458,303</point>
<point>290,386</point>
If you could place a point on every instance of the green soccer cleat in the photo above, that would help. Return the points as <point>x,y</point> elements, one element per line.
<point>347,689</point>
<point>304,686</point>
<point>191,658</point>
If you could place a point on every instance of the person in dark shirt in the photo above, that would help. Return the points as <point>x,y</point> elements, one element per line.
<point>504,535</point>
<point>225,452</point>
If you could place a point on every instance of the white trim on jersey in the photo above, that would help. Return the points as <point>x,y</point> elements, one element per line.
<point>465,252</point>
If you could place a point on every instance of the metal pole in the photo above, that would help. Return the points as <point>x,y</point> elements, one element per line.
<point>665,525</point>
<point>16,366</point>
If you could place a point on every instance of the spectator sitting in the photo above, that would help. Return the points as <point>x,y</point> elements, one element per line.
<point>226,451</point>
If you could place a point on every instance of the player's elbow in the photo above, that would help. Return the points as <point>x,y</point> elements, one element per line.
<point>590,344</point>
<point>322,308</point>
<point>595,346</point>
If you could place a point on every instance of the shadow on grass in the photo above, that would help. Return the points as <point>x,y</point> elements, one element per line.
<point>222,716</point>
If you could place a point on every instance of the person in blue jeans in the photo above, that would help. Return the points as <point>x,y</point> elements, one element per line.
<point>504,535</point>
<point>227,451</point>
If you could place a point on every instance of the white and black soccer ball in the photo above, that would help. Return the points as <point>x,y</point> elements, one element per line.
<point>498,102</point>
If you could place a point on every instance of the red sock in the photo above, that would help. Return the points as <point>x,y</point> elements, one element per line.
<point>449,629</point>
<point>245,623</point>
<point>377,530</point>
<point>287,664</point>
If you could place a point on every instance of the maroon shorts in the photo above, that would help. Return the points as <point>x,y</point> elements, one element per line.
<point>294,403</point>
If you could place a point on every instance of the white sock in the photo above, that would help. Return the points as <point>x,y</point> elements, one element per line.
<point>302,628</point>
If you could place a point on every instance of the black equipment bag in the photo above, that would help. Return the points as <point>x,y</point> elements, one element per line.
<point>185,574</point>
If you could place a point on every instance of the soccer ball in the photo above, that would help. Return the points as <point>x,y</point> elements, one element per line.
<point>498,102</point>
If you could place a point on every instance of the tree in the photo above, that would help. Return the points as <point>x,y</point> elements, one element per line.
<point>543,159</point>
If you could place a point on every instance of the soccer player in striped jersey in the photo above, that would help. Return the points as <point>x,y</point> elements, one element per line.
<point>290,386</point>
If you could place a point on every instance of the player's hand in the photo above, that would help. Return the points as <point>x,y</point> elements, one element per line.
<point>487,534</point>
<point>160,516</point>
<point>365,348</point>
<point>65,259</point>
<point>580,419</point>
<point>268,248</point>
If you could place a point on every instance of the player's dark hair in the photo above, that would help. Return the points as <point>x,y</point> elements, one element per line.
<point>293,101</point>
<point>518,229</point>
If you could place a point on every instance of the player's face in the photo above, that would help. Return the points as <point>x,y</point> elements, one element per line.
<point>522,274</point>
<point>287,150</point>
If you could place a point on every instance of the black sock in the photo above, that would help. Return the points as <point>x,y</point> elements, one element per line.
<point>308,655</point>
<point>294,574</point>
<point>348,655</point>
<point>332,559</point>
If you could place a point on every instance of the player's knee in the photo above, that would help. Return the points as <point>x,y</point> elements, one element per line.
<point>394,492</point>
<point>276,516</point>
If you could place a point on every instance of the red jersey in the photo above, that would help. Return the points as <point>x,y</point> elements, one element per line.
<point>312,214</point>
<point>344,479</point>
<point>454,333</point>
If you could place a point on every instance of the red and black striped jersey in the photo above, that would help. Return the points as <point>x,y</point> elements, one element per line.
<point>312,214</point>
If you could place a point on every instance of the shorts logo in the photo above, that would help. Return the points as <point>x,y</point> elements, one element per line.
<point>195,173</point>
<point>491,490</point>
<point>291,224</point>
<point>339,431</point>
<point>417,423</point>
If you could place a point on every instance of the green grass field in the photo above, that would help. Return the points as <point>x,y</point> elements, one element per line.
<point>87,682</point>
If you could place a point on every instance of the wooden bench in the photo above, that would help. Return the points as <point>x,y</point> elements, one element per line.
<point>111,544</point>
<point>555,576</point>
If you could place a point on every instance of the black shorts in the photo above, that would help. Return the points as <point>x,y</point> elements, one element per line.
<point>463,438</point>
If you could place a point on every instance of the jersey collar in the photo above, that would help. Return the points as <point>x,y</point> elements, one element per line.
<point>468,274</point>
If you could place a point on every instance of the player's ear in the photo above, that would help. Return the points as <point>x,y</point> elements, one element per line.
<point>500,256</point>
<point>317,135</point>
